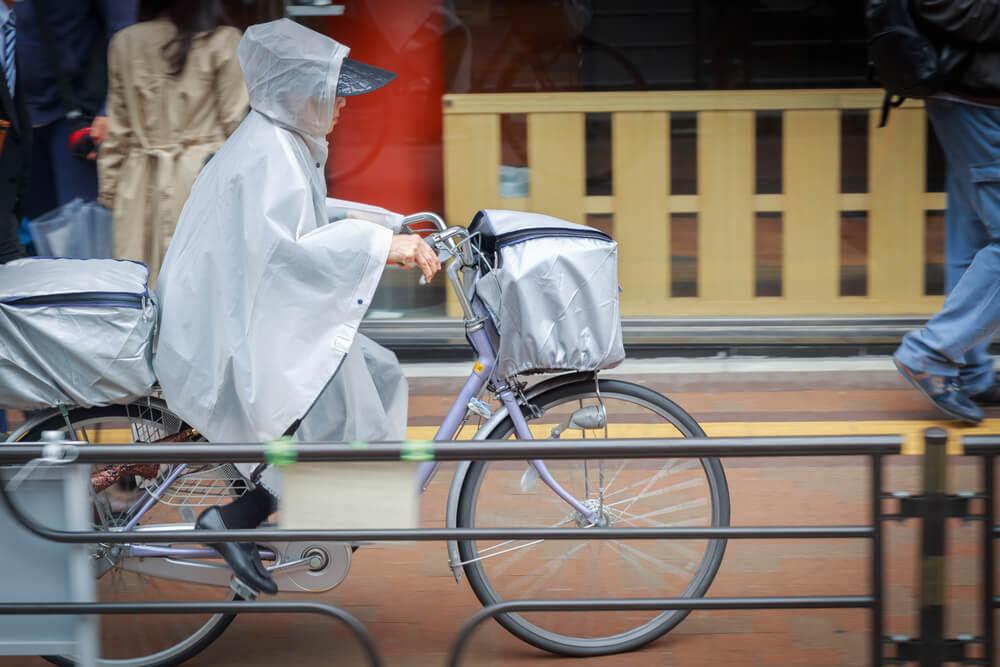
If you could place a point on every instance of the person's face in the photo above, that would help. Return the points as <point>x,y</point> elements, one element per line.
<point>338,104</point>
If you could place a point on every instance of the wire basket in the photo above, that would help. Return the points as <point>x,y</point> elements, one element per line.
<point>207,485</point>
<point>197,486</point>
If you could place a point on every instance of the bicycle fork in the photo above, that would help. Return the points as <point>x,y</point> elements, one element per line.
<point>524,433</point>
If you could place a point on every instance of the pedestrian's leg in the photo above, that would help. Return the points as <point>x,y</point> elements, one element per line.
<point>931,358</point>
<point>74,177</point>
<point>965,235</point>
<point>40,193</point>
<point>970,136</point>
<point>970,317</point>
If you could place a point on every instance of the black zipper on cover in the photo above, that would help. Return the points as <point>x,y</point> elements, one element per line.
<point>85,299</point>
<point>522,235</point>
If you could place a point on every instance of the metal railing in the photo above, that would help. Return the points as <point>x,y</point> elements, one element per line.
<point>987,448</point>
<point>269,607</point>
<point>882,650</point>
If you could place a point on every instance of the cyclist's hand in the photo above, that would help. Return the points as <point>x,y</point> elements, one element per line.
<point>409,251</point>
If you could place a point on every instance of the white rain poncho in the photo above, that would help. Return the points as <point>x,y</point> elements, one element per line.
<point>260,297</point>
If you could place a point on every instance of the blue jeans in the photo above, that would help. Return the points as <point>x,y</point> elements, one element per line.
<point>955,342</point>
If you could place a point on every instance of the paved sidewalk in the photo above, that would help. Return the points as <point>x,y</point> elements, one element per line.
<point>406,596</point>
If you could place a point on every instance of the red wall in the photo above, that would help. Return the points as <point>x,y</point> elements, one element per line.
<point>386,148</point>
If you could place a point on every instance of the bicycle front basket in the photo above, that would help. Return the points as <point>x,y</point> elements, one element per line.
<point>551,289</point>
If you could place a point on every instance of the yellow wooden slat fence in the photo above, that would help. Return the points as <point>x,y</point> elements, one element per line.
<point>810,204</point>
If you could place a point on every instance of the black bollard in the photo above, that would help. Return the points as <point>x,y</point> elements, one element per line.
<point>933,527</point>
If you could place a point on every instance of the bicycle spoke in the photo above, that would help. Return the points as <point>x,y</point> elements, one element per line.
<point>614,478</point>
<point>680,507</point>
<point>665,568</point>
<point>674,465</point>
<point>510,562</point>
<point>637,568</point>
<point>629,519</point>
<point>551,568</point>
<point>679,486</point>
<point>642,494</point>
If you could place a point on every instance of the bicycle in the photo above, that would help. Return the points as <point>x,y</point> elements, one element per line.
<point>658,493</point>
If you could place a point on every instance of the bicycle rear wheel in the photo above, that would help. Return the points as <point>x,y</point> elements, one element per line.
<point>141,640</point>
<point>623,493</point>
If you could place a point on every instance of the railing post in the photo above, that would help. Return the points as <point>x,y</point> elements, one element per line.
<point>878,586</point>
<point>932,548</point>
<point>988,555</point>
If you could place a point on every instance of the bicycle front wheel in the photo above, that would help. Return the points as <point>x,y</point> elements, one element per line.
<point>622,493</point>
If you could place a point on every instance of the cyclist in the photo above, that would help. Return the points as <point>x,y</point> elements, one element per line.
<point>261,297</point>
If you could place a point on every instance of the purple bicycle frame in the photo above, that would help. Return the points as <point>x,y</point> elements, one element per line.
<point>481,374</point>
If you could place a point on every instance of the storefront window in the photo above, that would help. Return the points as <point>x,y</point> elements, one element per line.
<point>731,148</point>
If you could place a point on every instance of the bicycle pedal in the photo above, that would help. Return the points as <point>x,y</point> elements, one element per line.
<point>242,590</point>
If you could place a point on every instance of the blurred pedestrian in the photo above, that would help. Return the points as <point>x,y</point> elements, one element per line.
<point>15,144</point>
<point>948,360</point>
<point>176,92</point>
<point>15,137</point>
<point>62,46</point>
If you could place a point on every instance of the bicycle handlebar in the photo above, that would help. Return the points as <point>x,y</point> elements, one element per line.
<point>454,241</point>
<point>425,216</point>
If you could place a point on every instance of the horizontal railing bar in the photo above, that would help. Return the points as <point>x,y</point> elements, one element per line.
<point>119,608</point>
<point>653,604</point>
<point>414,335</point>
<point>694,604</point>
<point>445,534</point>
<point>242,607</point>
<point>792,446</point>
<point>981,444</point>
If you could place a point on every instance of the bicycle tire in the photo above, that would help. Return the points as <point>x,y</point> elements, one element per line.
<point>661,624</point>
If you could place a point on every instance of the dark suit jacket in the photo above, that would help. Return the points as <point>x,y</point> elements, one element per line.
<point>13,167</point>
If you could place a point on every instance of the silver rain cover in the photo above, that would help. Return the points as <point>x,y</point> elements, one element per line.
<point>261,296</point>
<point>551,289</point>
<point>366,401</point>
<point>75,332</point>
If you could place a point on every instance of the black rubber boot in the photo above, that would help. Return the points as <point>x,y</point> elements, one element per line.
<point>242,557</point>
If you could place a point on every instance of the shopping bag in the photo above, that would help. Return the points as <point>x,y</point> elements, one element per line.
<point>79,230</point>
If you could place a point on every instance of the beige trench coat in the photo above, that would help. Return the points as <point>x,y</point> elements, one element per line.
<point>162,129</point>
